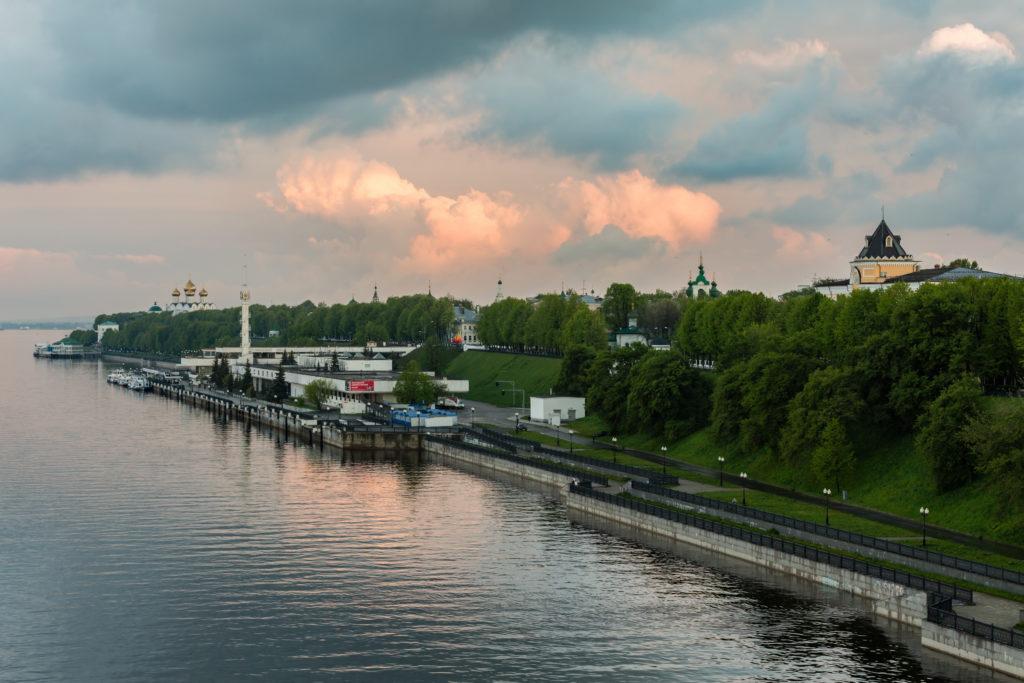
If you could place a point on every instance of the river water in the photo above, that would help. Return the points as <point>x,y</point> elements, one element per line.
<point>141,539</point>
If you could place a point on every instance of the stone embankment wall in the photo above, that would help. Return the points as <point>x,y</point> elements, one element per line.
<point>451,454</point>
<point>1002,658</point>
<point>890,600</point>
<point>865,551</point>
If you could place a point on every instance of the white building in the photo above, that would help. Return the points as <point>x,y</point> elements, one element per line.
<point>190,302</point>
<point>557,409</point>
<point>631,334</point>
<point>465,326</point>
<point>103,328</point>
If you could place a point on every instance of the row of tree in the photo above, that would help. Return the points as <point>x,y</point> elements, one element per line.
<point>556,322</point>
<point>403,318</point>
<point>805,377</point>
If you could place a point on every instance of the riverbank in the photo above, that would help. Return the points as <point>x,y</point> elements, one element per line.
<point>892,593</point>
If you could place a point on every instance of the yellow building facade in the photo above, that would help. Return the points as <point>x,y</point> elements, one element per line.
<point>882,258</point>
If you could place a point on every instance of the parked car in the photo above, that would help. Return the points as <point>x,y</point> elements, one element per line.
<point>450,402</point>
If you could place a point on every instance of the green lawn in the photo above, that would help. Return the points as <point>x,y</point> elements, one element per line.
<point>890,476</point>
<point>534,374</point>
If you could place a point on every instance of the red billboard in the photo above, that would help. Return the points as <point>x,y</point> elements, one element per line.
<point>360,385</point>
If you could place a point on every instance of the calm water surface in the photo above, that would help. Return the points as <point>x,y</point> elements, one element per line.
<point>141,539</point>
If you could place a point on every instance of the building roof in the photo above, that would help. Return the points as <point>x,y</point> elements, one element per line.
<point>465,315</point>
<point>876,245</point>
<point>947,274</point>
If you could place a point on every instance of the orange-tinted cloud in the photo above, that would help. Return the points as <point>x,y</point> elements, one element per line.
<point>801,245</point>
<point>642,207</point>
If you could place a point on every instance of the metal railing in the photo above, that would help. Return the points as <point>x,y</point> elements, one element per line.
<point>632,470</point>
<point>530,462</point>
<point>789,547</point>
<point>922,554</point>
<point>943,616</point>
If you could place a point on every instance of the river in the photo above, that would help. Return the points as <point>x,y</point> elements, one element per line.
<point>141,539</point>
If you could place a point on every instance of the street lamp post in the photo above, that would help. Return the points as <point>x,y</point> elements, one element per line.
<point>721,471</point>
<point>615,448</point>
<point>826,493</point>
<point>569,432</point>
<point>663,459</point>
<point>743,476</point>
<point>558,431</point>
<point>924,525</point>
<point>517,423</point>
<point>472,416</point>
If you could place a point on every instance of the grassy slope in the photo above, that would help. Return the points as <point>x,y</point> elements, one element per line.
<point>890,476</point>
<point>536,375</point>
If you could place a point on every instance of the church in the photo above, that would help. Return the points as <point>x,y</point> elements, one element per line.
<point>190,302</point>
<point>699,287</point>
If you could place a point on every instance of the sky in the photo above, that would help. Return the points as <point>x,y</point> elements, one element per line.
<point>449,143</point>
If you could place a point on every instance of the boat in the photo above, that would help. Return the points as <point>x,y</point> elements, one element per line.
<point>138,383</point>
<point>117,377</point>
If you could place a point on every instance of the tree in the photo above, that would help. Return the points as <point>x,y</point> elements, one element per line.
<point>963,263</point>
<point>279,388</point>
<point>939,433</point>
<point>833,459</point>
<point>830,394</point>
<point>317,392</point>
<point>619,301</point>
<point>667,397</point>
<point>584,328</point>
<point>415,387</point>
<point>996,438</point>
<point>572,377</point>
<point>608,382</point>
<point>246,386</point>
<point>335,366</point>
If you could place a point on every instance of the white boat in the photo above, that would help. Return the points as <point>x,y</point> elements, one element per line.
<point>138,383</point>
<point>117,377</point>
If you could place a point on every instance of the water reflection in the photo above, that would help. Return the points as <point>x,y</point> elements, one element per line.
<point>141,538</point>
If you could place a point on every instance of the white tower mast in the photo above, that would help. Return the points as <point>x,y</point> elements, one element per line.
<point>244,295</point>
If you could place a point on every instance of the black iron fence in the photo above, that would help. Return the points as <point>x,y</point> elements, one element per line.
<point>631,470</point>
<point>530,462</point>
<point>789,547</point>
<point>922,554</point>
<point>943,615</point>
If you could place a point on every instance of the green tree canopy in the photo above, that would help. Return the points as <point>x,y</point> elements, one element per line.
<point>939,433</point>
<point>316,393</point>
<point>415,387</point>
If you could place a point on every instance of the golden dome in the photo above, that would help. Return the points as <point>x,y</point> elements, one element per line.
<point>190,284</point>
<point>203,292</point>
<point>175,292</point>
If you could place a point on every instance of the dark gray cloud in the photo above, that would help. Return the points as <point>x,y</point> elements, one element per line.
<point>770,142</point>
<point>571,110</point>
<point>143,87</point>
<point>225,61</point>
<point>608,246</point>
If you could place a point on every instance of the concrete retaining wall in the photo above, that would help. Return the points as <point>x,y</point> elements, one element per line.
<point>865,551</point>
<point>451,454</point>
<point>890,600</point>
<point>1002,658</point>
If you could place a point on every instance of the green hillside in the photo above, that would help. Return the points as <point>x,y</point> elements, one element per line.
<point>890,475</point>
<point>534,374</point>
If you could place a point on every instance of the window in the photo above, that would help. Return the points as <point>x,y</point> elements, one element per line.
<point>888,241</point>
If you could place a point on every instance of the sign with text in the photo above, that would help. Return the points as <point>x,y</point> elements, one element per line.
<point>360,385</point>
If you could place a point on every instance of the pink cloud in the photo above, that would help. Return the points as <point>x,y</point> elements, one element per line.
<point>332,188</point>
<point>801,245</point>
<point>137,259</point>
<point>642,207</point>
<point>16,260</point>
